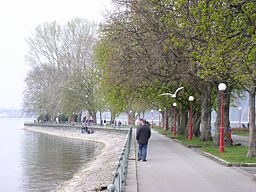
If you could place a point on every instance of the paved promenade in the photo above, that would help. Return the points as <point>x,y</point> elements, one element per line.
<point>173,168</point>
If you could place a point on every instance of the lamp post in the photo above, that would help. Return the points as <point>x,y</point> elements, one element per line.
<point>191,98</point>
<point>152,117</point>
<point>240,116</point>
<point>174,121</point>
<point>159,118</point>
<point>222,87</point>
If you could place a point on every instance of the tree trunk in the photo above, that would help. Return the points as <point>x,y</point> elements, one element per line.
<point>101,117</point>
<point>178,117</point>
<point>206,105</point>
<point>217,126</point>
<point>79,118</point>
<point>94,118</point>
<point>165,119</point>
<point>252,131</point>
<point>162,119</point>
<point>226,118</point>
<point>131,118</point>
<point>112,116</point>
<point>183,121</point>
<point>196,123</point>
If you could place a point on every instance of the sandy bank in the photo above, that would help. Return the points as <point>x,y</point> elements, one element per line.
<point>97,173</point>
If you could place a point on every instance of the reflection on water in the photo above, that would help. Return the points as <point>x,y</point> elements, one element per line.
<point>39,162</point>
<point>48,160</point>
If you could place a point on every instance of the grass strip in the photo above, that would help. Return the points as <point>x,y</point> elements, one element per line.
<point>232,154</point>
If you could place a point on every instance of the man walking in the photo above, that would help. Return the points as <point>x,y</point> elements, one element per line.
<point>142,136</point>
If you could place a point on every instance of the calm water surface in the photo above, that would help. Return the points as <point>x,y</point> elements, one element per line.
<point>35,162</point>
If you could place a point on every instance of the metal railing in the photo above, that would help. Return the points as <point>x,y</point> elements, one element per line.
<point>120,173</point>
<point>76,124</point>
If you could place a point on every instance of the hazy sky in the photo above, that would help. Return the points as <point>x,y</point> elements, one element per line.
<point>18,19</point>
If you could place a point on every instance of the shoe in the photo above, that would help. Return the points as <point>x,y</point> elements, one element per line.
<point>139,159</point>
<point>144,160</point>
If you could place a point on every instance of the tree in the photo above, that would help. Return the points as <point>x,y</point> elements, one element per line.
<point>137,58</point>
<point>41,94</point>
<point>223,33</point>
<point>155,46</point>
<point>61,58</point>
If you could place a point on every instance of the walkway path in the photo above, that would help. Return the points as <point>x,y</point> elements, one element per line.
<point>173,168</point>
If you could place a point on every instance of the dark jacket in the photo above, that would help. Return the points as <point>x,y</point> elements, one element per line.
<point>143,134</point>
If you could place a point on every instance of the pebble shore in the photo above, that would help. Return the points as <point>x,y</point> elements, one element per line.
<point>97,174</point>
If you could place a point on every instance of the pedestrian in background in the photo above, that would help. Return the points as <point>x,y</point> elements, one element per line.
<point>142,136</point>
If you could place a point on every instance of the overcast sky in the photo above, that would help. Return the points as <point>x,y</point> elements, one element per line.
<point>18,19</point>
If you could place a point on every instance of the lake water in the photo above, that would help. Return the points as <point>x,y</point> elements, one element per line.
<point>35,162</point>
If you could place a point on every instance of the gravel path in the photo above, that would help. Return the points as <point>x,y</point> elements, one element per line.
<point>97,173</point>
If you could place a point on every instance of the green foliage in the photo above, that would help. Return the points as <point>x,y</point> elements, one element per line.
<point>81,92</point>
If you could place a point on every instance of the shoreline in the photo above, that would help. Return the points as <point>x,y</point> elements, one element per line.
<point>97,173</point>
